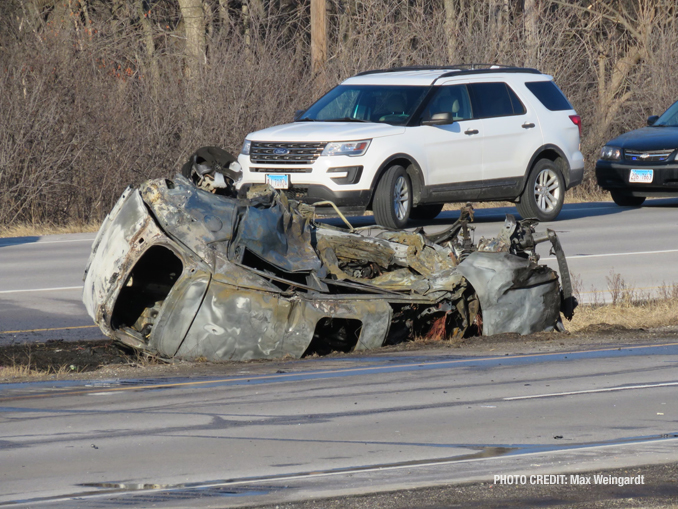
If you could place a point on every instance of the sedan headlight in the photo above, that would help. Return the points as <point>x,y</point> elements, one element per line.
<point>608,153</point>
<point>346,148</point>
<point>246,148</point>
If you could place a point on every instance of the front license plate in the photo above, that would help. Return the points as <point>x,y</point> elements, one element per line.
<point>278,181</point>
<point>641,176</point>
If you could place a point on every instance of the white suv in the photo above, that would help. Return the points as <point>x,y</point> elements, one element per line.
<point>403,142</point>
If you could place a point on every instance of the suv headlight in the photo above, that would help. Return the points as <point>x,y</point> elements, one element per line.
<point>246,148</point>
<point>608,153</point>
<point>346,148</point>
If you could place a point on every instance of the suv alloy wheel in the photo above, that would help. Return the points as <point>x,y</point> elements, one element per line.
<point>544,193</point>
<point>393,198</point>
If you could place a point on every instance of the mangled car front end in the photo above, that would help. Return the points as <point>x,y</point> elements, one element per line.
<point>181,270</point>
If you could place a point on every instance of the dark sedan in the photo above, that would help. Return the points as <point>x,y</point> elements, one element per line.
<point>642,163</point>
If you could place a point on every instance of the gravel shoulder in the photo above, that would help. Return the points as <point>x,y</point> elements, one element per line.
<point>660,490</point>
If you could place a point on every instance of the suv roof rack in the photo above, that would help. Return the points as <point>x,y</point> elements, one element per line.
<point>456,69</point>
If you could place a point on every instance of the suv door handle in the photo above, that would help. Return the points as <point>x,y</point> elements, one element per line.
<point>471,131</point>
<point>527,125</point>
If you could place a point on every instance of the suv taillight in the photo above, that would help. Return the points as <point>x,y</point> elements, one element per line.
<point>576,120</point>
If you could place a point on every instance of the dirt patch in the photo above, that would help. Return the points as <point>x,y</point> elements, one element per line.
<point>60,357</point>
<point>65,360</point>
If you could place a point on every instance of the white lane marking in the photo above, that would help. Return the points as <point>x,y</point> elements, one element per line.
<point>41,242</point>
<point>570,257</point>
<point>44,289</point>
<point>592,391</point>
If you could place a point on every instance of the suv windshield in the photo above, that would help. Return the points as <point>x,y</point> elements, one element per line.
<point>669,117</point>
<point>367,103</point>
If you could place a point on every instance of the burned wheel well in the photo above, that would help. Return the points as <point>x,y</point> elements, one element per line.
<point>334,335</point>
<point>147,286</point>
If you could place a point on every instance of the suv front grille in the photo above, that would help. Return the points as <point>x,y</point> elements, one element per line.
<point>647,156</point>
<point>263,152</point>
<point>278,170</point>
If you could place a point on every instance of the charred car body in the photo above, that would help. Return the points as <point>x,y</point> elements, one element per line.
<point>185,268</point>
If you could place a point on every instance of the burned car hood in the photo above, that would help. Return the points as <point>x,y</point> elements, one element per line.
<point>177,271</point>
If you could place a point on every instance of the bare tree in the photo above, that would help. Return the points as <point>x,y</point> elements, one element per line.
<point>194,22</point>
<point>616,35</point>
<point>318,35</point>
<point>452,10</point>
<point>531,28</point>
<point>149,43</point>
<point>93,93</point>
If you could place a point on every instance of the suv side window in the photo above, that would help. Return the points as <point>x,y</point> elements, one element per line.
<point>453,99</point>
<point>549,95</point>
<point>494,100</point>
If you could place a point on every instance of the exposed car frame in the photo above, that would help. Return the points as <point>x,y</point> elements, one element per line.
<point>180,271</point>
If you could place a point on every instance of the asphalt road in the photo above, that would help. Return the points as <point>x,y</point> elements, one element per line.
<point>268,433</point>
<point>41,277</point>
<point>336,427</point>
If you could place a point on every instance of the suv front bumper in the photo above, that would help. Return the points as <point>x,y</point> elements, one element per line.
<point>349,202</point>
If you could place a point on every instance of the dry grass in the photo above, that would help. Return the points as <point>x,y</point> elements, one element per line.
<point>26,371</point>
<point>587,193</point>
<point>580,194</point>
<point>627,306</point>
<point>635,315</point>
<point>29,230</point>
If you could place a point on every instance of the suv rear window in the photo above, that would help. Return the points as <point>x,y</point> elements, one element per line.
<point>549,95</point>
<point>494,100</point>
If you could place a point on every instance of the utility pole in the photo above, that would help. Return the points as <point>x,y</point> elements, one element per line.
<point>318,35</point>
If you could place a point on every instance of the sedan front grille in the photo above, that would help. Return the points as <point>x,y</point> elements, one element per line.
<point>647,156</point>
<point>263,152</point>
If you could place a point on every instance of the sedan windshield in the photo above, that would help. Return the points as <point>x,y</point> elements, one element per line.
<point>367,103</point>
<point>669,117</point>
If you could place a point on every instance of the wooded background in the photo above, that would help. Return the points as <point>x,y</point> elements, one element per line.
<point>99,94</point>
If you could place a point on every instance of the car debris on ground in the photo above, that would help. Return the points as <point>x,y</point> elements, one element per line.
<point>188,269</point>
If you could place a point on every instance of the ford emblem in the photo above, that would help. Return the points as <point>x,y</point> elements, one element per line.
<point>281,151</point>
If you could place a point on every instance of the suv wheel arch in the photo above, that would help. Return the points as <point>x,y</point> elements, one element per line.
<point>413,171</point>
<point>553,154</point>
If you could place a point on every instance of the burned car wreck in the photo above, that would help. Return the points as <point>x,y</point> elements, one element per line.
<point>186,268</point>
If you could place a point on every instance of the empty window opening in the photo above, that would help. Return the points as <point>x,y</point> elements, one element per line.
<point>253,261</point>
<point>147,287</point>
<point>334,335</point>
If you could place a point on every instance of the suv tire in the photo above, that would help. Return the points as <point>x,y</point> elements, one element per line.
<point>544,193</point>
<point>426,212</point>
<point>624,200</point>
<point>393,198</point>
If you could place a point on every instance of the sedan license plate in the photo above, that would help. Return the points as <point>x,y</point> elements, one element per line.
<point>641,176</point>
<point>278,181</point>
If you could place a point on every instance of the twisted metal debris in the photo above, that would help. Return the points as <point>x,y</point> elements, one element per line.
<point>185,268</point>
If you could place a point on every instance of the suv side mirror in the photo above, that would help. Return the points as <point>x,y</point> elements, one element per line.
<point>298,114</point>
<point>439,119</point>
<point>651,120</point>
